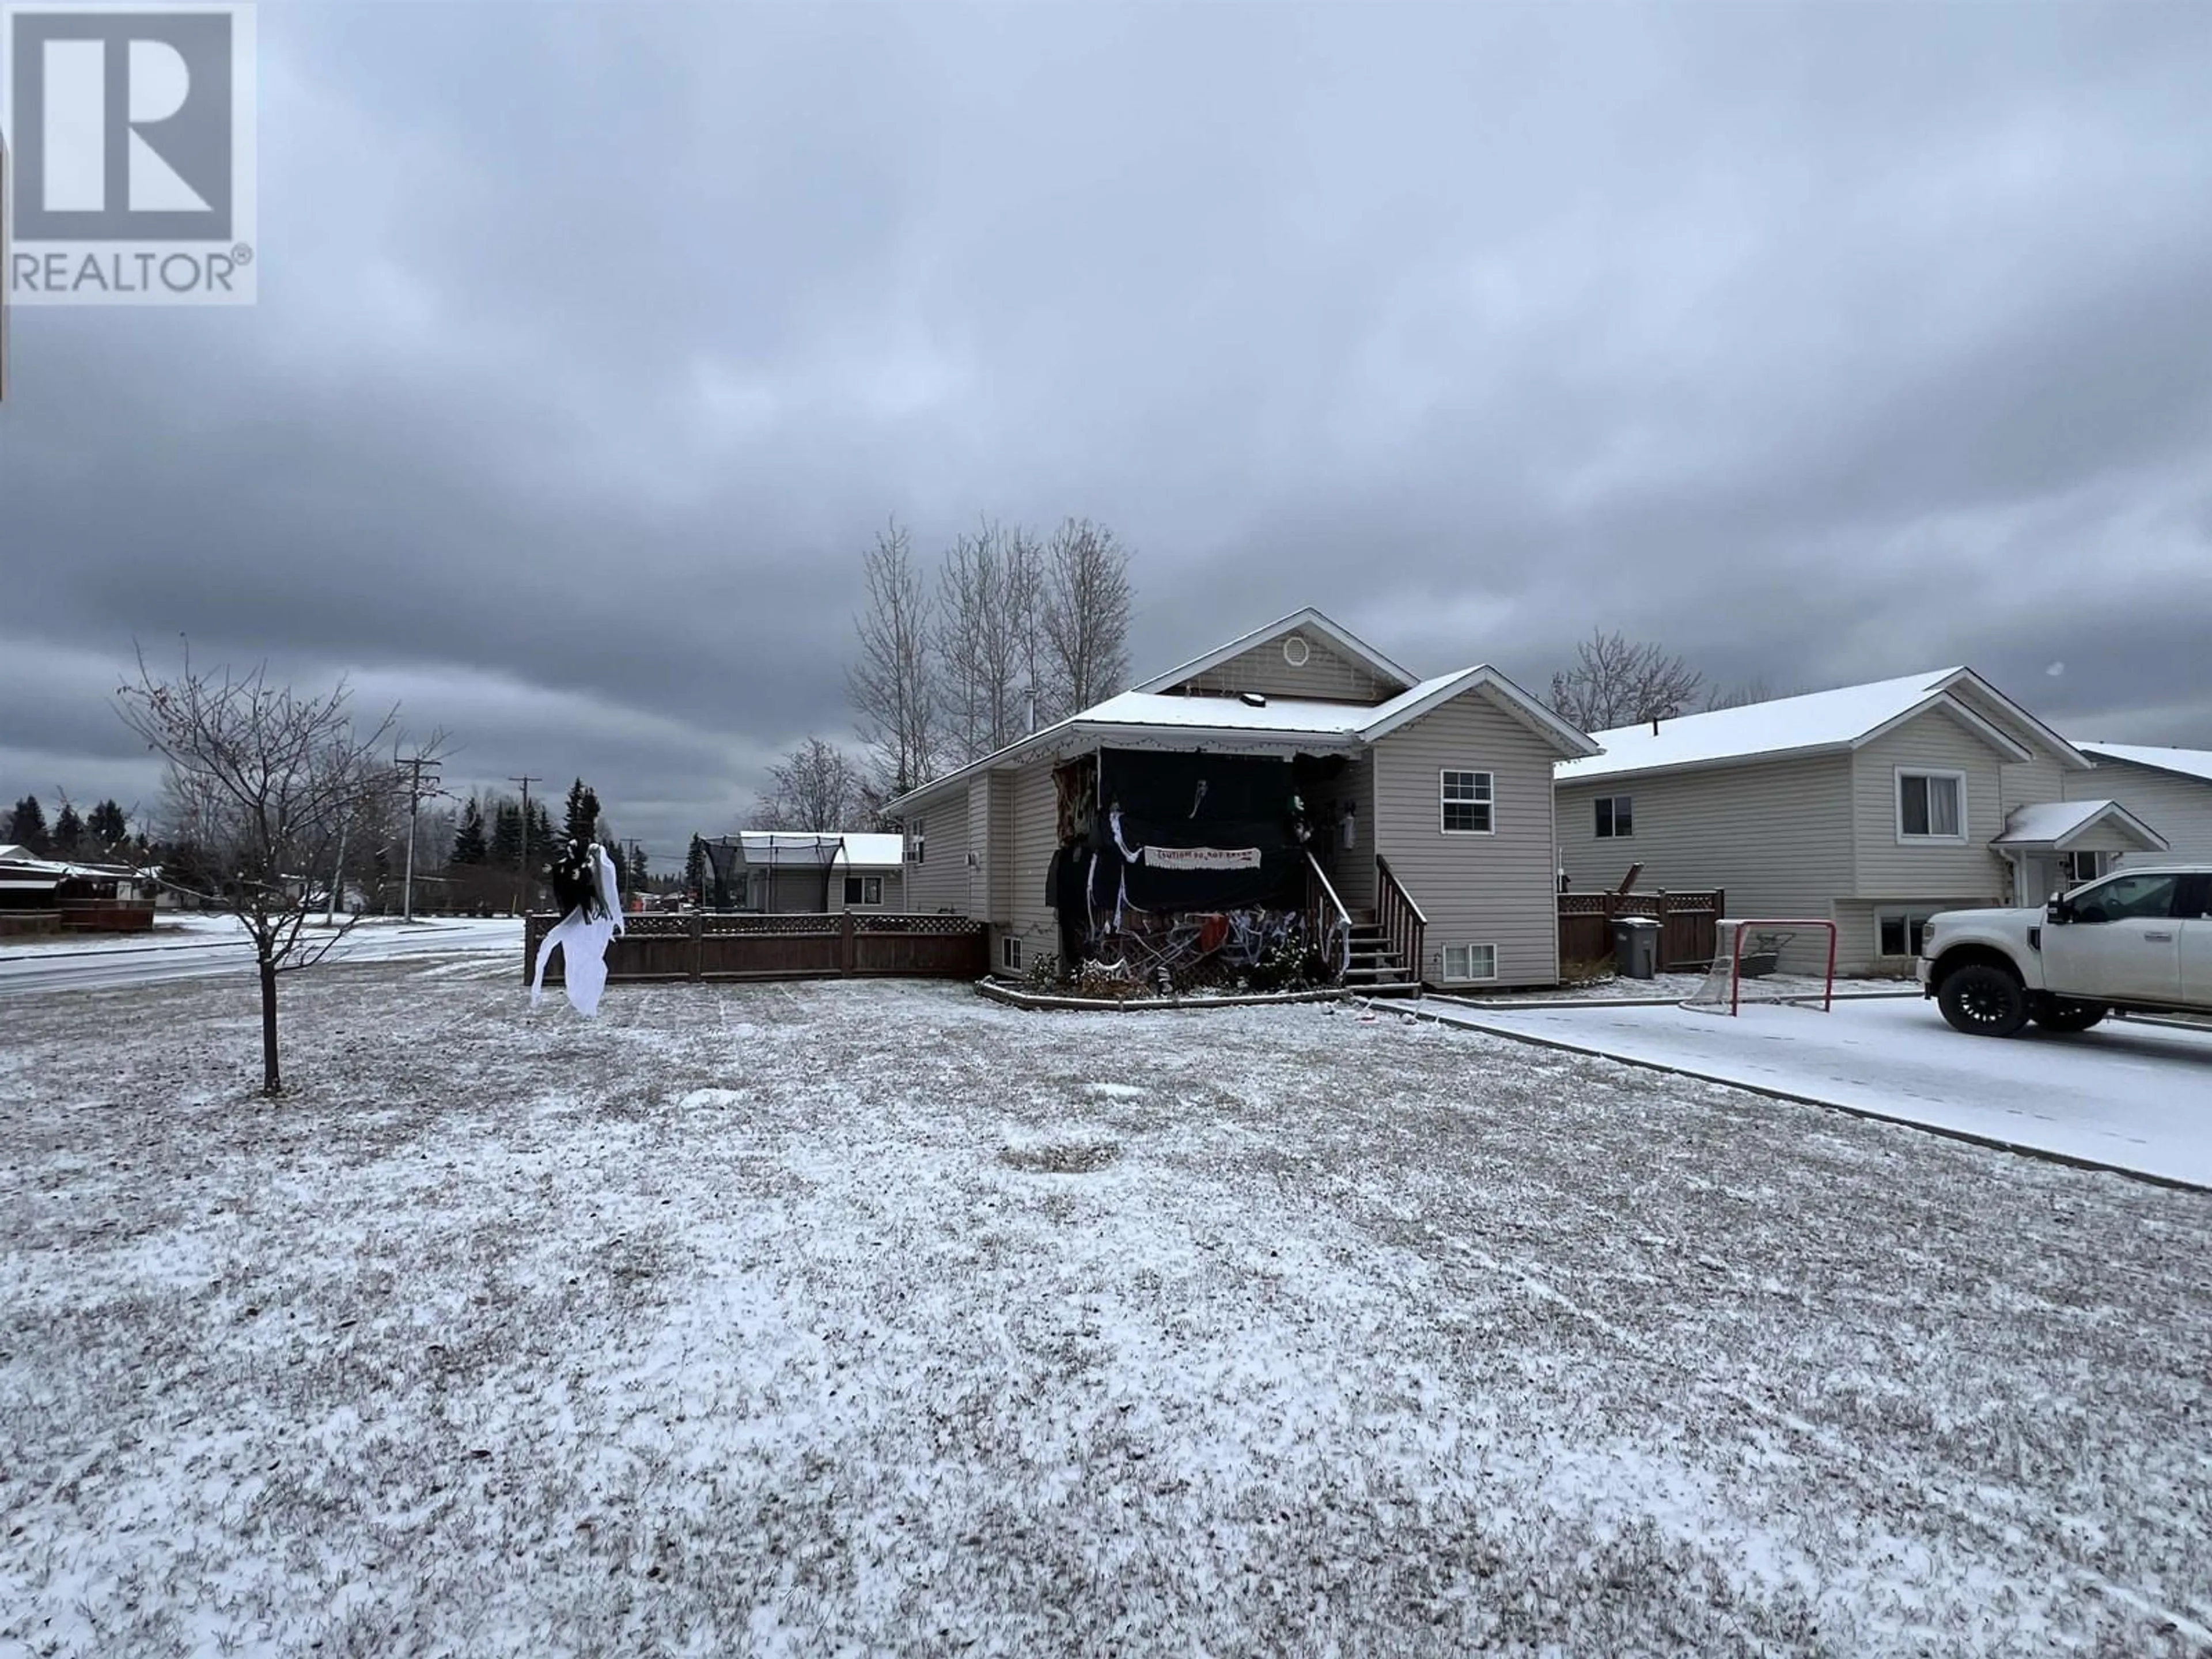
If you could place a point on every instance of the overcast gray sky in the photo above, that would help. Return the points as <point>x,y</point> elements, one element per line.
<point>1820,343</point>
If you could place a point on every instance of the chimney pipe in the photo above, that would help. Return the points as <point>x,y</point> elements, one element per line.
<point>1032,713</point>
<point>1655,725</point>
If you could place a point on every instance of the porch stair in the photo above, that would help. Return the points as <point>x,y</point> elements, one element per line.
<point>1374,967</point>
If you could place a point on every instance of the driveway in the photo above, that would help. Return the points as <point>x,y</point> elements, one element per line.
<point>2126,1096</point>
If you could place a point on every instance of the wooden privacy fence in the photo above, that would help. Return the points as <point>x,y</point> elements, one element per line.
<point>1689,924</point>
<point>705,945</point>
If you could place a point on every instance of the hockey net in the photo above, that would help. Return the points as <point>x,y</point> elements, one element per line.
<point>1761,959</point>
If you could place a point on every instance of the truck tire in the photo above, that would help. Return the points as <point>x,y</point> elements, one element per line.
<point>2058,1015</point>
<point>1983,1000</point>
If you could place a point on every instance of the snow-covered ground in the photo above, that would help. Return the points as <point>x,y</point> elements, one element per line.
<point>2129,1094</point>
<point>877,1318</point>
<point>216,944</point>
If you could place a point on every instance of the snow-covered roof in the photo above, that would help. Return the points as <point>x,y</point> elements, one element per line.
<point>1291,722</point>
<point>806,846</point>
<point>2054,823</point>
<point>2188,762</point>
<point>1817,722</point>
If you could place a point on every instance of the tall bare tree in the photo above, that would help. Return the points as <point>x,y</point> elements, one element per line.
<point>1741,693</point>
<point>1085,617</point>
<point>262,783</point>
<point>1617,681</point>
<point>815,786</point>
<point>985,614</point>
<point>893,686</point>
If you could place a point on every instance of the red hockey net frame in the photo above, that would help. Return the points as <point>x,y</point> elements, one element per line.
<point>1752,927</point>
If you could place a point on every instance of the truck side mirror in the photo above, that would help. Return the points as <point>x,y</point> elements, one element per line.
<point>2058,910</point>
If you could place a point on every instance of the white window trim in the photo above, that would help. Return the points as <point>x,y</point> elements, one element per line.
<point>1897,806</point>
<point>1615,834</point>
<point>864,902</point>
<point>1489,798</point>
<point>1444,964</point>
<point>1010,953</point>
<point>918,843</point>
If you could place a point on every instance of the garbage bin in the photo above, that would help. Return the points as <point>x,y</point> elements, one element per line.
<point>1636,946</point>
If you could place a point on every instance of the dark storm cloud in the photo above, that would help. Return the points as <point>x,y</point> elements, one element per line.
<point>595,342</point>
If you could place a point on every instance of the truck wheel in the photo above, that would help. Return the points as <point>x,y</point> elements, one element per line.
<point>1983,1000</point>
<point>2059,1016</point>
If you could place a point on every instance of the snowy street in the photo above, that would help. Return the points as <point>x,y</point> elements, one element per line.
<point>196,946</point>
<point>874,1317</point>
<point>2128,1094</point>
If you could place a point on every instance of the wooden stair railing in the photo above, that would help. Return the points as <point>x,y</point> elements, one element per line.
<point>1401,921</point>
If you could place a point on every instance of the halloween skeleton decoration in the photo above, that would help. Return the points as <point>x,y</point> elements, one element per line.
<point>582,877</point>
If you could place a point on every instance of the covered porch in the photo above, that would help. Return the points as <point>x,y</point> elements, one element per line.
<point>2051,845</point>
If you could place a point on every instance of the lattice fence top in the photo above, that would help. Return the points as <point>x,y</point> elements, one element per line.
<point>918,924</point>
<point>799,921</point>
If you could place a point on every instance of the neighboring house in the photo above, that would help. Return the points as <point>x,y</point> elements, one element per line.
<point>2171,788</point>
<point>1446,782</point>
<point>1873,806</point>
<point>785,871</point>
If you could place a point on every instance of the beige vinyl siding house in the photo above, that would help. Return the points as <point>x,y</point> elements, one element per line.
<point>936,868</point>
<point>1475,887</point>
<point>1870,806</point>
<point>1305,692</point>
<point>2169,788</point>
<point>1695,831</point>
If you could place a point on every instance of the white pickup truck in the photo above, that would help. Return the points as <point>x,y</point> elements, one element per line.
<point>2139,941</point>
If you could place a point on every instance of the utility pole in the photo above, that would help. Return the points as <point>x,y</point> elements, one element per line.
<point>522,902</point>
<point>413,767</point>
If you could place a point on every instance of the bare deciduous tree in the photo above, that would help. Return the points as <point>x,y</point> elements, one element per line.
<point>893,685</point>
<point>262,784</point>
<point>1085,617</point>
<point>1742,694</point>
<point>1618,682</point>
<point>987,603</point>
<point>815,786</point>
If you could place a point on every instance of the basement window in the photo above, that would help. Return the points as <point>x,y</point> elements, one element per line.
<point>1470,962</point>
<point>1010,954</point>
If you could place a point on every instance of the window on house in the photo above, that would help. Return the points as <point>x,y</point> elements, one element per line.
<point>1931,806</point>
<point>863,889</point>
<point>1465,798</point>
<point>1616,817</point>
<point>1470,962</point>
<point>2082,866</point>
<point>1010,953</point>
<point>1898,933</point>
<point>918,846</point>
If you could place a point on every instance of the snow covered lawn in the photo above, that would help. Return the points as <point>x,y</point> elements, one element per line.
<point>2129,1094</point>
<point>877,1318</point>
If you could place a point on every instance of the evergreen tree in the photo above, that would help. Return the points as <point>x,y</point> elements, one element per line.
<point>68,832</point>
<point>469,846</point>
<point>578,827</point>
<point>542,838</point>
<point>695,869</point>
<point>27,826</point>
<point>108,828</point>
<point>507,833</point>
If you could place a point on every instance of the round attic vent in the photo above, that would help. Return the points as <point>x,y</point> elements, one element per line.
<point>1296,652</point>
